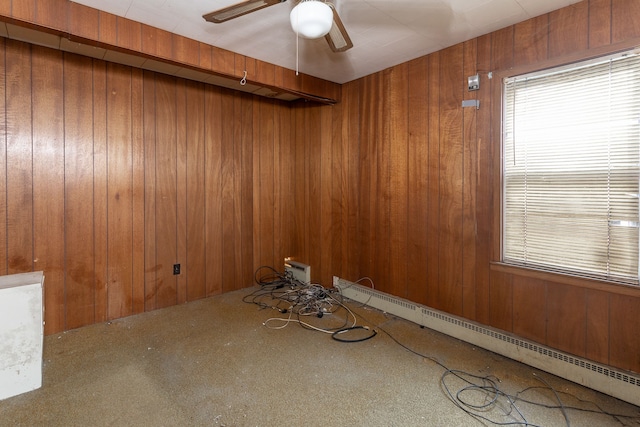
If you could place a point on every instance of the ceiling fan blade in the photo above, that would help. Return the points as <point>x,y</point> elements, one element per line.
<point>338,39</point>
<point>236,10</point>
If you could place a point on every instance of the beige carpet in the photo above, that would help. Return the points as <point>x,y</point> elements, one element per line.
<point>214,363</point>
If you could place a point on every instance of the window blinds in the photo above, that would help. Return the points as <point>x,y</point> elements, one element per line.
<point>571,168</point>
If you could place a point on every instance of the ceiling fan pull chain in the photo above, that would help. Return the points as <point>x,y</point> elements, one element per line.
<point>243,81</point>
<point>297,48</point>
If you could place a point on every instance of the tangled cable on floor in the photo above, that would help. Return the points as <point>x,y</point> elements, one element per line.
<point>298,301</point>
<point>476,395</point>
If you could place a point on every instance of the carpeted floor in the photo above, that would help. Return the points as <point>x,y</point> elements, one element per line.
<point>213,363</point>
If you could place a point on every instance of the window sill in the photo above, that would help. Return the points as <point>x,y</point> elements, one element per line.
<point>567,279</point>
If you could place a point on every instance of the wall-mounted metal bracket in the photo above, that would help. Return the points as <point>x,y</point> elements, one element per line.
<point>471,103</point>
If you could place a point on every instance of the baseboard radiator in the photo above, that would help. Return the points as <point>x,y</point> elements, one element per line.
<point>617,383</point>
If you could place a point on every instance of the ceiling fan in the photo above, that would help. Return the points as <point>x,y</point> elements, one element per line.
<point>309,18</point>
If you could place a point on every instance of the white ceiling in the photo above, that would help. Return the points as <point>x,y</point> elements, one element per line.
<point>384,32</point>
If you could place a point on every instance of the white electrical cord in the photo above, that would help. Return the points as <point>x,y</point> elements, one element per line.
<point>289,319</point>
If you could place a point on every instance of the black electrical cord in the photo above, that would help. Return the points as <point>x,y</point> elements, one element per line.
<point>301,301</point>
<point>280,291</point>
<point>337,335</point>
<point>495,397</point>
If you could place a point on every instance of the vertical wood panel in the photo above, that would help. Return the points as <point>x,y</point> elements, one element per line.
<point>417,180</point>
<point>206,58</point>
<point>625,20</point>
<point>624,324</point>
<point>129,34</point>
<point>48,182</point>
<point>257,260</point>
<point>108,28</point>
<point>150,251</point>
<point>381,195</point>
<point>83,21</point>
<point>100,194</point>
<point>280,224</point>
<point>433,185</point>
<point>78,201</point>
<point>339,242</point>
<point>597,326</point>
<point>265,72</point>
<point>568,29</point>
<point>484,178</point>
<point>242,64</point>
<point>340,162</point>
<point>367,167</point>
<point>531,40</point>
<point>530,309</point>
<point>298,188</point>
<point>119,202</point>
<point>289,79</point>
<point>265,153</point>
<point>223,61</point>
<point>469,184</point>
<point>351,136</point>
<point>247,191</point>
<point>243,131</point>
<point>229,213</point>
<point>181,190</point>
<point>185,50</point>
<point>301,188</point>
<point>24,10</point>
<point>313,161</point>
<point>5,9</point>
<point>326,177</point>
<point>19,158</point>
<point>566,321</point>
<point>398,180</point>
<point>501,58</point>
<point>502,48</point>
<point>213,188</point>
<point>166,197</point>
<point>599,23</point>
<point>156,42</point>
<point>287,182</point>
<point>451,178</point>
<point>53,14</point>
<point>195,262</point>
<point>501,301</point>
<point>3,161</point>
<point>138,191</point>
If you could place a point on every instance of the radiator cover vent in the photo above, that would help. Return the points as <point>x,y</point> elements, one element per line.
<point>614,382</point>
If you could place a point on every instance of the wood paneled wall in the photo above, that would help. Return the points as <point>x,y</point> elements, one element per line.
<point>110,175</point>
<point>416,180</point>
<point>85,25</point>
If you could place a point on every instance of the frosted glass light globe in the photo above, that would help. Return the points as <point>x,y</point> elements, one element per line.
<point>311,19</point>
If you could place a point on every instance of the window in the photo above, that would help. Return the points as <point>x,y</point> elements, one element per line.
<point>571,153</point>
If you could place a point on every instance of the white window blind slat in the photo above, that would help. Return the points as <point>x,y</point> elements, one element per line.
<point>571,169</point>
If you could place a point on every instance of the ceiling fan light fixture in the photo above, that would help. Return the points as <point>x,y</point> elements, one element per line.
<point>311,19</point>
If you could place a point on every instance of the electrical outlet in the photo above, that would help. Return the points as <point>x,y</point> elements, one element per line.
<point>176,269</point>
